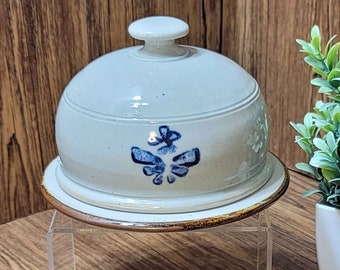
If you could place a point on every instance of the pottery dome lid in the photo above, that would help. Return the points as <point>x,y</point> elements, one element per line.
<point>160,80</point>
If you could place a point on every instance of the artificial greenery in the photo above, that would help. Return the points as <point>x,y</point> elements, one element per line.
<point>319,134</point>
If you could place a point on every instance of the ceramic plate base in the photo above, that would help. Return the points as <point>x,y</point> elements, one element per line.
<point>274,188</point>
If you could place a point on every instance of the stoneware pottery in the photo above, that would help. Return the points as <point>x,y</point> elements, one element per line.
<point>327,220</point>
<point>162,128</point>
<point>272,190</point>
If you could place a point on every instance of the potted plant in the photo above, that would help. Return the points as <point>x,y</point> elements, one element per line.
<point>319,137</point>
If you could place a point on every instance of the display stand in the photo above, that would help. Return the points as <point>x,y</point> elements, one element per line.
<point>63,231</point>
<point>245,222</point>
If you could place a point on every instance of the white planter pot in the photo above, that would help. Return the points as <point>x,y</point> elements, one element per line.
<point>327,229</point>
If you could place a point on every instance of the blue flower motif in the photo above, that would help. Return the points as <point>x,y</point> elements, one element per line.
<point>167,136</point>
<point>147,158</point>
<point>182,162</point>
<point>155,166</point>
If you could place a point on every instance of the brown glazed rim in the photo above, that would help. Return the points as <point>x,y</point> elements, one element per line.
<point>187,225</point>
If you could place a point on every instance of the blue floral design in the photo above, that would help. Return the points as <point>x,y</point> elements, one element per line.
<point>155,166</point>
<point>147,158</point>
<point>167,136</point>
<point>182,162</point>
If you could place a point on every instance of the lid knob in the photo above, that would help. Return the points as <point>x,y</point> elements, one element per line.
<point>159,34</point>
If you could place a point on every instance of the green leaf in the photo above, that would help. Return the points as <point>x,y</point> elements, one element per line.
<point>315,32</point>
<point>306,47</point>
<point>305,167</point>
<point>329,174</point>
<point>318,65</point>
<point>329,44</point>
<point>321,123</point>
<point>312,130</point>
<point>335,97</point>
<point>308,169</point>
<point>330,140</point>
<point>323,186</point>
<point>324,106</point>
<point>308,120</point>
<point>325,90</point>
<point>333,196</point>
<point>325,86</point>
<point>315,116</point>
<point>319,104</point>
<point>335,181</point>
<point>332,57</point>
<point>311,192</point>
<point>321,82</point>
<point>300,128</point>
<point>321,144</point>
<point>305,145</point>
<point>336,81</point>
<point>328,128</point>
<point>336,118</point>
<point>316,43</point>
<point>323,160</point>
<point>333,77</point>
<point>320,72</point>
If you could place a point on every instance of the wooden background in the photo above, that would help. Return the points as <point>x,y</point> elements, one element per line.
<point>44,43</point>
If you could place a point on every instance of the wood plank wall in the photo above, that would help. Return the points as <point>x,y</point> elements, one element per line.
<point>44,43</point>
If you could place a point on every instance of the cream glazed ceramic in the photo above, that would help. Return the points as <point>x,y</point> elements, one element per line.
<point>162,128</point>
<point>272,190</point>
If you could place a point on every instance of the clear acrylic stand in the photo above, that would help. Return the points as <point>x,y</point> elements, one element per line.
<point>63,232</point>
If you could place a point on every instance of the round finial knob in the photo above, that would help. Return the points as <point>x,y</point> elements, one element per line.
<point>159,34</point>
<point>158,28</point>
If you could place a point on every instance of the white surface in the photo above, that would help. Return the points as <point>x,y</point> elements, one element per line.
<point>155,203</point>
<point>119,86</point>
<point>120,100</point>
<point>158,28</point>
<point>255,200</point>
<point>327,223</point>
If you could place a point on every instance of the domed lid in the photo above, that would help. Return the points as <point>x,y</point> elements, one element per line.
<point>160,80</point>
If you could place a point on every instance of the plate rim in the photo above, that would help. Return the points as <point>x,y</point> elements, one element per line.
<point>163,226</point>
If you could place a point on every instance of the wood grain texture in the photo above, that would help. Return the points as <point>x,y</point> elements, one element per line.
<point>23,243</point>
<point>45,43</point>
